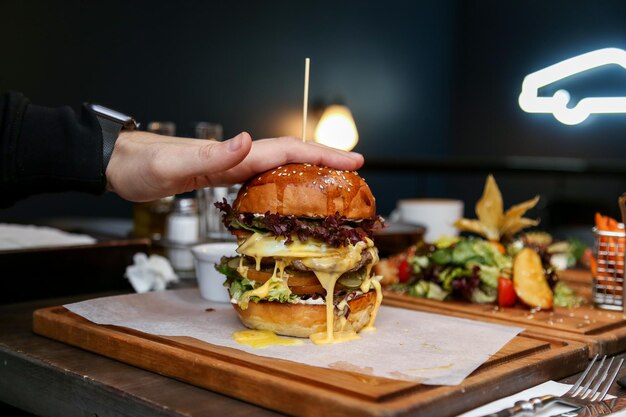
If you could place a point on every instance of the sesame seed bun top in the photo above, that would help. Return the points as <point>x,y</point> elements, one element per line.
<point>306,190</point>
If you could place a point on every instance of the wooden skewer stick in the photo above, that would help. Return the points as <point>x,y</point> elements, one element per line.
<point>305,106</point>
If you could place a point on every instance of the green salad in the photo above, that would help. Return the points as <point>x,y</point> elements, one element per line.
<point>480,271</point>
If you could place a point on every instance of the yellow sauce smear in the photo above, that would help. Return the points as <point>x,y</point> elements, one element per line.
<point>435,368</point>
<point>260,339</point>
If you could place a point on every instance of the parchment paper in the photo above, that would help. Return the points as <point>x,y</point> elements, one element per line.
<point>408,345</point>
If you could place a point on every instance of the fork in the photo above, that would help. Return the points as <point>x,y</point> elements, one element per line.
<point>579,396</point>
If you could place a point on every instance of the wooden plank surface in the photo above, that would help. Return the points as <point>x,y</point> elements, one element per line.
<point>302,390</point>
<point>604,331</point>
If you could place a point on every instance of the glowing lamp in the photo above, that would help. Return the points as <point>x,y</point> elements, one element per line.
<point>336,128</point>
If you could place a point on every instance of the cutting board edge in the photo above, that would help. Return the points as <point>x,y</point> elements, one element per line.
<point>402,404</point>
<point>342,405</point>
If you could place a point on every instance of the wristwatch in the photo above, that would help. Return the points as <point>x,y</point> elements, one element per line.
<point>112,123</point>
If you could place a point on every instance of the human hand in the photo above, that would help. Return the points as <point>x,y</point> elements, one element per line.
<point>145,166</point>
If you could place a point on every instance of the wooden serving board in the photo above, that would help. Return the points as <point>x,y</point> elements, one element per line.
<point>604,331</point>
<point>302,390</point>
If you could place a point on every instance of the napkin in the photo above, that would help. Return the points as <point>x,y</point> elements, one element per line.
<point>150,273</point>
<point>548,387</point>
<point>18,236</point>
<point>407,345</point>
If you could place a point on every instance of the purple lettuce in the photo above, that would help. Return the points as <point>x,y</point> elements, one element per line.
<point>465,285</point>
<point>334,230</point>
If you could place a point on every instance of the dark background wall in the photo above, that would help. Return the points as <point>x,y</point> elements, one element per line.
<point>499,43</point>
<point>423,79</point>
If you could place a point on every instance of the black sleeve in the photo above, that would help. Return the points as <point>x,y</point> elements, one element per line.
<point>47,150</point>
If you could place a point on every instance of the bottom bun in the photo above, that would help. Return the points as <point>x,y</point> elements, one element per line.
<point>302,320</point>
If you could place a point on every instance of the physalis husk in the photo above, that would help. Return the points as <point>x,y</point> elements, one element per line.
<point>492,222</point>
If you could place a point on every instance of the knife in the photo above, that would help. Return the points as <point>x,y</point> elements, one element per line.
<point>602,408</point>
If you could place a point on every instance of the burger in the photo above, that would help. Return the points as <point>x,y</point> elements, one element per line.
<point>305,253</point>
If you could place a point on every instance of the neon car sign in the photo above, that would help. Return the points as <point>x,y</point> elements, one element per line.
<point>530,101</point>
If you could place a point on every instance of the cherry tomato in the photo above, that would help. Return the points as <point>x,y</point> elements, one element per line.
<point>404,271</point>
<point>506,292</point>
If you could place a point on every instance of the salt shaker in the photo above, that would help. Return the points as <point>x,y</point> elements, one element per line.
<point>182,232</point>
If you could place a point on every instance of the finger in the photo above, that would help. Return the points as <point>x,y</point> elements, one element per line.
<point>269,153</point>
<point>212,157</point>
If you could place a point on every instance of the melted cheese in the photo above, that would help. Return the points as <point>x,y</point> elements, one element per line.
<point>263,338</point>
<point>327,270</point>
<point>260,245</point>
<point>241,269</point>
<point>263,290</point>
<point>260,292</point>
<point>327,263</point>
<point>375,259</point>
<point>373,281</point>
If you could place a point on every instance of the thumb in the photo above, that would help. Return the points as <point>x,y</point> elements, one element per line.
<point>214,157</point>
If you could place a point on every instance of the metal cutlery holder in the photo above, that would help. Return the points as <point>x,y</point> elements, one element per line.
<point>608,270</point>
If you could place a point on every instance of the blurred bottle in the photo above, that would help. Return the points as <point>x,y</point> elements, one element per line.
<point>182,233</point>
<point>206,130</point>
<point>162,128</point>
<point>149,218</point>
<point>210,218</point>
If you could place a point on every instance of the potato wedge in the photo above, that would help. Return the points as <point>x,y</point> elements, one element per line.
<point>529,280</point>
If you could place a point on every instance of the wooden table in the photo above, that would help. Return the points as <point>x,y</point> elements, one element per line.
<point>49,378</point>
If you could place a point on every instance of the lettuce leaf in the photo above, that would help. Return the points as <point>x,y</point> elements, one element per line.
<point>442,256</point>
<point>274,289</point>
<point>564,296</point>
<point>428,289</point>
<point>225,269</point>
<point>435,292</point>
<point>484,295</point>
<point>238,225</point>
<point>448,275</point>
<point>576,249</point>
<point>244,290</point>
<point>238,287</point>
<point>471,251</point>
<point>489,275</point>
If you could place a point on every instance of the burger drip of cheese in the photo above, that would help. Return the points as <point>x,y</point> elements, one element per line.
<point>306,253</point>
